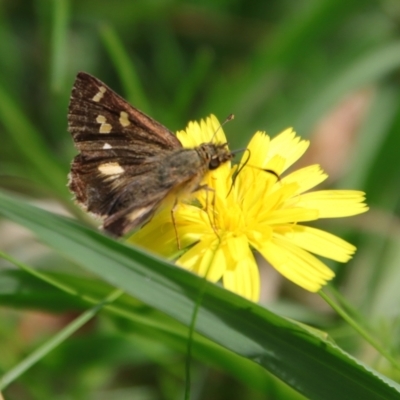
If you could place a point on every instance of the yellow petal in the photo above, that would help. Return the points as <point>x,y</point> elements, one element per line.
<point>334,203</point>
<point>218,180</point>
<point>277,163</point>
<point>257,237</point>
<point>289,146</point>
<point>218,266</point>
<point>162,228</point>
<point>305,178</point>
<point>192,259</point>
<point>296,264</point>
<point>244,278</point>
<point>238,247</point>
<point>278,195</point>
<point>285,216</point>
<point>319,242</point>
<point>258,148</point>
<point>250,187</point>
<point>204,132</point>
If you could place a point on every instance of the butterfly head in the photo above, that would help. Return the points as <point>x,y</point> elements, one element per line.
<point>215,154</point>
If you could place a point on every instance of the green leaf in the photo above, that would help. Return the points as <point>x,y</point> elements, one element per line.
<point>19,289</point>
<point>286,349</point>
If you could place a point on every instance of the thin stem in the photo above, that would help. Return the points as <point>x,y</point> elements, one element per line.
<point>192,326</point>
<point>358,328</point>
<point>56,340</point>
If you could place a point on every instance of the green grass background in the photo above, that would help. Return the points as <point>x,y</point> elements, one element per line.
<point>273,64</point>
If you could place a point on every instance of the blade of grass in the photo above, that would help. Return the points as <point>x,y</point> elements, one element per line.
<point>146,321</point>
<point>56,340</point>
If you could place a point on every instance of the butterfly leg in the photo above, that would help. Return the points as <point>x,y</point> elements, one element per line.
<point>173,209</point>
<point>212,222</point>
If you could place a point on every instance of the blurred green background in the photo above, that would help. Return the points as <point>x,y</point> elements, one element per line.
<point>329,68</point>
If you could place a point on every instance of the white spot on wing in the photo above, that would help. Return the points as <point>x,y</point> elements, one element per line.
<point>99,95</point>
<point>101,119</point>
<point>104,127</point>
<point>111,168</point>
<point>107,146</point>
<point>123,119</point>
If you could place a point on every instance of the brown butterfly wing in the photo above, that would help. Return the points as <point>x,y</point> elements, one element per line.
<point>119,148</point>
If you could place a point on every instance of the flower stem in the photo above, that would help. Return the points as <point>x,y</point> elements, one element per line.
<point>192,327</point>
<point>56,340</point>
<point>358,328</point>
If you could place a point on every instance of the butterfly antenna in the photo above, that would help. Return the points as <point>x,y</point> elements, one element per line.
<point>272,172</point>
<point>240,167</point>
<point>244,164</point>
<point>230,117</point>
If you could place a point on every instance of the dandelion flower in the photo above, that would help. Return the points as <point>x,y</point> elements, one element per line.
<point>254,210</point>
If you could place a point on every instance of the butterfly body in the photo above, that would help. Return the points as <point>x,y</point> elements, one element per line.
<point>129,164</point>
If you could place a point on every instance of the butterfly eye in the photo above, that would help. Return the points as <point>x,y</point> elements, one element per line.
<point>214,163</point>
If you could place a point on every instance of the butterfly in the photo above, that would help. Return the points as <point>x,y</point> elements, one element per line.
<point>128,163</point>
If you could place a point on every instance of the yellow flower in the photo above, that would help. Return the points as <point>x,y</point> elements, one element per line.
<point>254,210</point>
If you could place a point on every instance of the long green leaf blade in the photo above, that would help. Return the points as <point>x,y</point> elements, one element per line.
<point>284,348</point>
